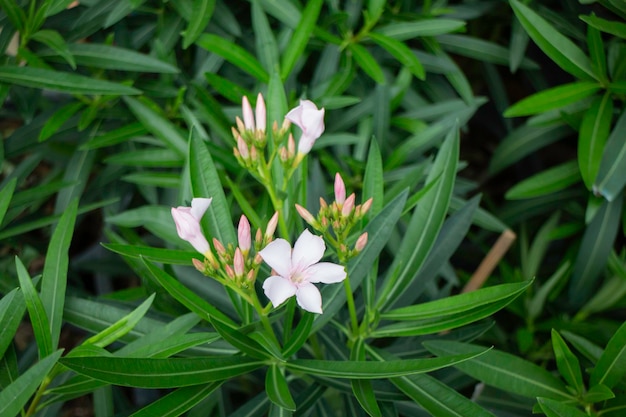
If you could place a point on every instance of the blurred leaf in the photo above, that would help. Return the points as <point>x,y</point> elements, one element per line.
<point>14,13</point>
<point>553,408</point>
<point>401,52</point>
<point>377,370</point>
<point>38,318</point>
<point>266,45</point>
<point>594,251</point>
<point>56,6</point>
<point>234,54</point>
<point>154,179</point>
<point>567,363</point>
<point>536,304</point>
<point>596,46</point>
<point>362,388</point>
<point>16,395</point>
<point>6,194</point>
<point>55,41</point>
<point>202,12</point>
<point>367,62</point>
<point>481,50</point>
<point>611,366</point>
<point>552,98</point>
<point>592,137</point>
<point>610,181</point>
<point>300,38</point>
<point>300,335</point>
<point>591,351</point>
<point>504,371</point>
<point>115,136</point>
<point>54,276</point>
<point>12,308</point>
<point>58,119</point>
<point>158,125</point>
<point>546,182</point>
<point>559,48</point>
<point>608,26</point>
<point>598,393</point>
<point>228,89</point>
<point>160,255</point>
<point>157,158</point>
<point>425,223</point>
<point>64,82</point>
<point>277,388</point>
<point>403,31</point>
<point>161,373</point>
<point>178,402</point>
<point>205,182</point>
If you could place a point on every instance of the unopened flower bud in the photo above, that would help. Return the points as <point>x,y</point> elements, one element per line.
<point>258,259</point>
<point>361,242</point>
<point>199,265</point>
<point>250,276</point>
<point>291,145</point>
<point>258,238</point>
<point>283,154</point>
<point>366,206</point>
<point>348,205</point>
<point>248,116</point>
<point>243,234</point>
<point>323,203</point>
<point>234,131</point>
<point>261,113</point>
<point>306,215</point>
<point>210,258</point>
<point>271,227</point>
<point>239,263</point>
<point>340,189</point>
<point>242,148</point>
<point>219,248</point>
<point>240,125</point>
<point>229,271</point>
<point>254,156</point>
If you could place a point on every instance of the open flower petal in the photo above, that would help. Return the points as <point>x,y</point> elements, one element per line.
<point>199,206</point>
<point>278,289</point>
<point>326,273</point>
<point>307,251</point>
<point>309,298</point>
<point>277,254</point>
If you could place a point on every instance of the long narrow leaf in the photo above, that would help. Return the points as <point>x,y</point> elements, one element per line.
<point>592,137</point>
<point>177,402</point>
<point>611,366</point>
<point>300,37</point>
<point>12,308</point>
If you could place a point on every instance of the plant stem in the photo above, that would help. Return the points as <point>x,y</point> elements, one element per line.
<point>351,307</point>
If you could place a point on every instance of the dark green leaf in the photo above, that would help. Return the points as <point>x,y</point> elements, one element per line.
<point>12,308</point>
<point>160,255</point>
<point>176,403</point>
<point>553,408</point>
<point>592,137</point>
<point>234,54</point>
<point>300,38</point>
<point>367,62</point>
<point>58,119</point>
<point>202,12</point>
<point>240,341</point>
<point>611,366</point>
<point>610,181</point>
<point>277,388</point>
<point>567,363</point>
<point>553,98</point>
<point>546,182</point>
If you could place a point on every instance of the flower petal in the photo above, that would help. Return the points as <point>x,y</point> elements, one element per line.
<point>278,289</point>
<point>277,254</point>
<point>199,206</point>
<point>309,298</point>
<point>307,251</point>
<point>326,273</point>
<point>189,229</point>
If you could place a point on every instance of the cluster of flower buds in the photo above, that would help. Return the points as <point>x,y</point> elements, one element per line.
<point>250,134</point>
<point>234,265</point>
<point>339,217</point>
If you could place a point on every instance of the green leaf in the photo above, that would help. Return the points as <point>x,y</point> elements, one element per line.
<point>595,43</point>
<point>559,48</point>
<point>55,41</point>
<point>598,393</point>
<point>161,373</point>
<point>36,311</point>
<point>553,408</point>
<point>12,308</point>
<point>403,31</point>
<point>377,370</point>
<point>553,98</point>
<point>205,182</point>
<point>154,179</point>
<point>401,52</point>
<point>594,251</point>
<point>228,89</point>
<point>362,388</point>
<point>367,62</point>
<point>6,194</point>
<point>300,38</point>
<point>14,12</point>
<point>57,6</point>
<point>567,363</point>
<point>610,181</point>
<point>425,223</point>
<point>187,297</point>
<point>240,341</point>
<point>299,335</point>
<point>116,136</point>
<point>592,137</point>
<point>158,158</point>
<point>54,277</point>
<point>234,54</point>
<point>17,394</point>
<point>504,371</point>
<point>607,26</point>
<point>482,50</point>
<point>158,125</point>
<point>120,327</point>
<point>277,388</point>
<point>58,119</point>
<point>461,303</point>
<point>64,82</point>
<point>590,350</point>
<point>178,402</point>
<point>266,45</point>
<point>611,366</point>
<point>159,255</point>
<point>546,182</point>
<point>202,12</point>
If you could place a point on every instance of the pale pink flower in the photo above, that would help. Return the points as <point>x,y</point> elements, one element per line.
<point>297,270</point>
<point>248,116</point>
<point>187,220</point>
<point>311,120</point>
<point>261,113</point>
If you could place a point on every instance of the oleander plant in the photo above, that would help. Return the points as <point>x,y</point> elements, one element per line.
<point>312,208</point>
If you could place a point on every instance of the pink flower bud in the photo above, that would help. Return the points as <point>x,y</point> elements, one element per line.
<point>261,113</point>
<point>219,248</point>
<point>366,206</point>
<point>361,242</point>
<point>306,215</point>
<point>248,116</point>
<point>198,264</point>
<point>348,205</point>
<point>242,148</point>
<point>258,238</point>
<point>187,220</point>
<point>283,154</point>
<point>291,145</point>
<point>311,120</point>
<point>241,127</point>
<point>271,227</point>
<point>340,189</point>
<point>239,263</point>
<point>323,203</point>
<point>229,271</point>
<point>243,234</point>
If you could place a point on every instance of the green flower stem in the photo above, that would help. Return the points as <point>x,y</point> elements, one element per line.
<point>354,321</point>
<point>262,312</point>
<point>32,408</point>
